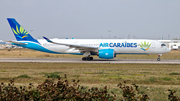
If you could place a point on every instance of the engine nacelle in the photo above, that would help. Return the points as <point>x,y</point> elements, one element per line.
<point>106,53</point>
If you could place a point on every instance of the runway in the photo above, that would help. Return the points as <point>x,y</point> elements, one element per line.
<point>62,60</point>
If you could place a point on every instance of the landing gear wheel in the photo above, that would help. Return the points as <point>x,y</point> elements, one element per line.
<point>84,58</point>
<point>91,58</point>
<point>158,59</point>
<point>87,58</point>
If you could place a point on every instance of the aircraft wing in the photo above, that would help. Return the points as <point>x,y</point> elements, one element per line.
<point>18,43</point>
<point>80,47</point>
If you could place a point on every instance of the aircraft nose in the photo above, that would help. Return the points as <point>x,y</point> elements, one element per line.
<point>168,50</point>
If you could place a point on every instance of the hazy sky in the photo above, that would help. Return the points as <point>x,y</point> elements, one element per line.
<point>92,18</point>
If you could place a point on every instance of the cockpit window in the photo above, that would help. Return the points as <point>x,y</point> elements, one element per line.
<point>163,45</point>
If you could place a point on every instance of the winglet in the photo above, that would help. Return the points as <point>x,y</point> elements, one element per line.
<point>48,40</point>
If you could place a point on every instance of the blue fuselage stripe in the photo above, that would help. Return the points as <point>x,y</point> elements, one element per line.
<point>38,47</point>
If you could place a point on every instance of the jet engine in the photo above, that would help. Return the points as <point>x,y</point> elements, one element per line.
<point>106,53</point>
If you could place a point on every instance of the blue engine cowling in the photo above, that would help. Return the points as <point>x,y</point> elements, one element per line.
<point>106,53</point>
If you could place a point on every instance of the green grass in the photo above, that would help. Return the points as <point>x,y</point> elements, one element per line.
<point>166,78</point>
<point>3,71</point>
<point>5,78</point>
<point>152,79</point>
<point>174,73</point>
<point>23,76</point>
<point>52,75</point>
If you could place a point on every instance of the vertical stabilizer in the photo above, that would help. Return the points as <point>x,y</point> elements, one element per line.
<point>20,33</point>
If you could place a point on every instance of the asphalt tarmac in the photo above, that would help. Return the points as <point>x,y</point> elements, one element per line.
<point>60,60</point>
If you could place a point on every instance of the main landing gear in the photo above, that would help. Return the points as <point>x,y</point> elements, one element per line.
<point>158,59</point>
<point>87,54</point>
<point>88,58</point>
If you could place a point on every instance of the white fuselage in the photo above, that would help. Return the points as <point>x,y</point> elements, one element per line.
<point>120,46</point>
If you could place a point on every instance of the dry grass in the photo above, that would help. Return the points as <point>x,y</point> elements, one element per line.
<point>154,79</point>
<point>27,53</point>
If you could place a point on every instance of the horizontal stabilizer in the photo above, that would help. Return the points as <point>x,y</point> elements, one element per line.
<point>19,43</point>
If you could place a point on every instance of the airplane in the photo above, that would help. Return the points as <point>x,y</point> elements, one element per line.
<point>104,48</point>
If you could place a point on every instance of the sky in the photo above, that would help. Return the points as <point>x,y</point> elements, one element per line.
<point>92,19</point>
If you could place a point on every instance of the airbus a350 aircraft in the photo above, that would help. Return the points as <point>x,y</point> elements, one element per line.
<point>104,48</point>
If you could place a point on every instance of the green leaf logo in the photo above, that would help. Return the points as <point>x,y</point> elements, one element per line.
<point>145,46</point>
<point>20,32</point>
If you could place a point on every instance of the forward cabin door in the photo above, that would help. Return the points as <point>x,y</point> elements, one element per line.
<point>153,45</point>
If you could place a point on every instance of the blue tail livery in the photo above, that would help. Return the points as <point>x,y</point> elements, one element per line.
<point>20,33</point>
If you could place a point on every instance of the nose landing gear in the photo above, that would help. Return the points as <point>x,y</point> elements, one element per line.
<point>158,59</point>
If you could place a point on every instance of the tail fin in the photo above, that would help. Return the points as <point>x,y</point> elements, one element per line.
<point>20,33</point>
